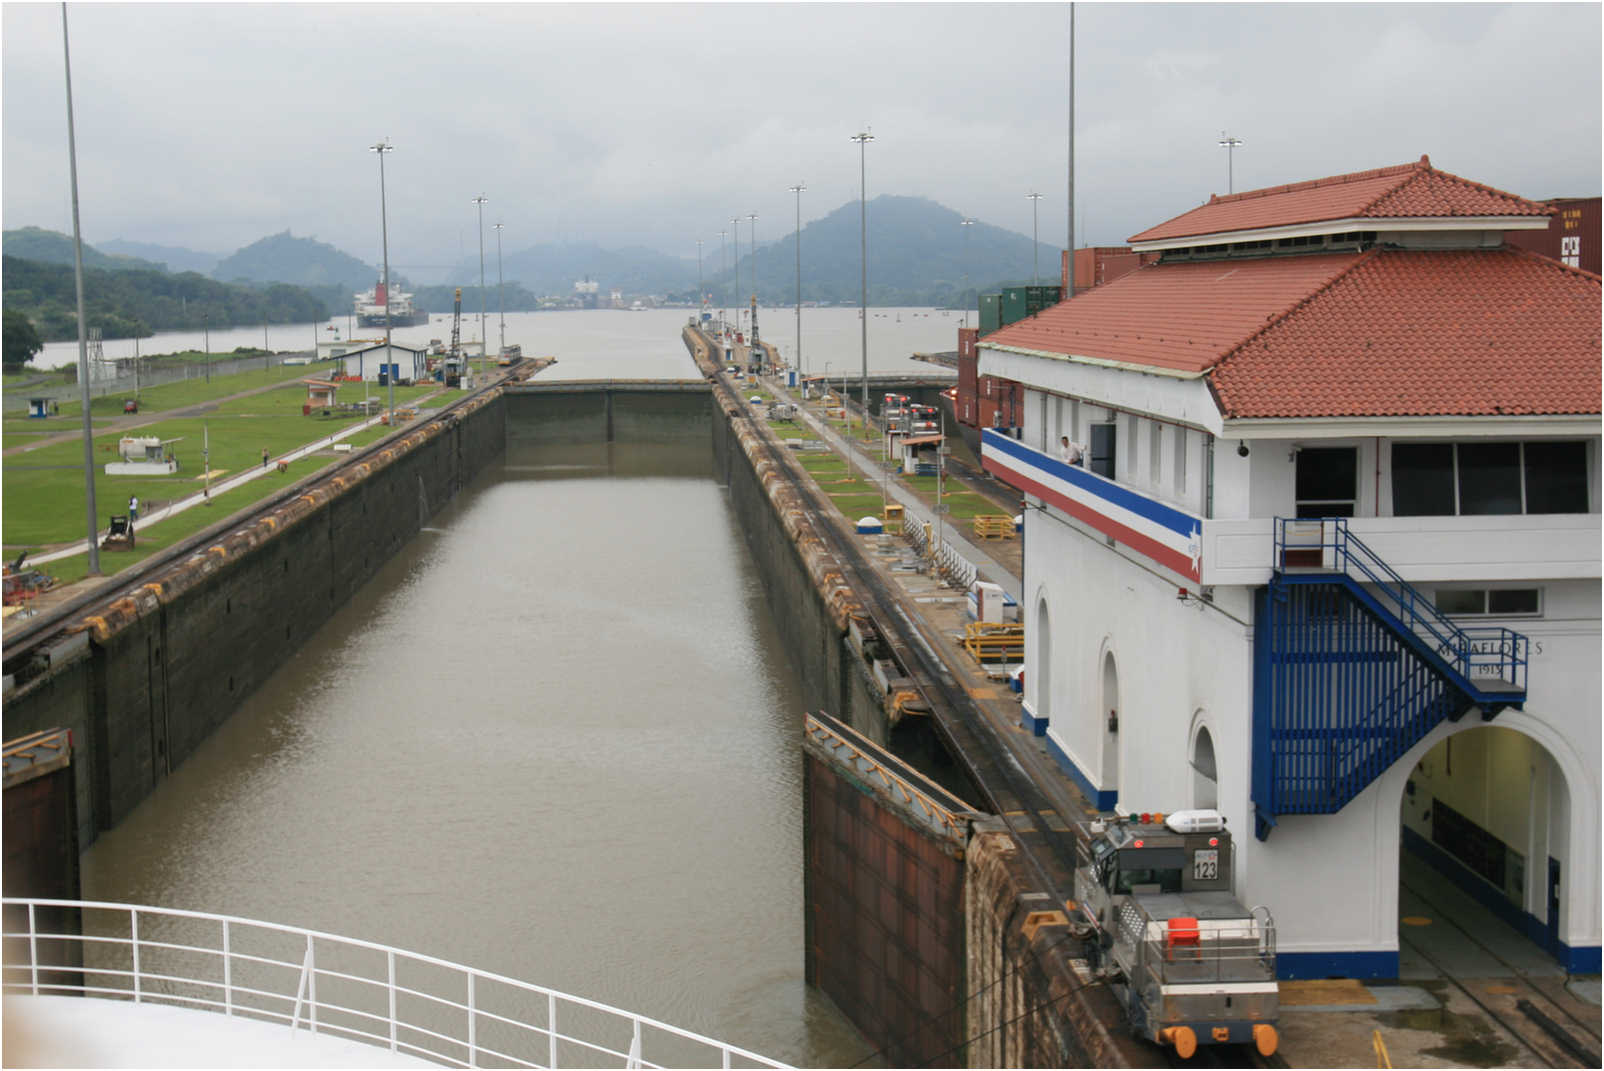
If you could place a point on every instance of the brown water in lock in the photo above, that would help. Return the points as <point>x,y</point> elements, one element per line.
<point>554,738</point>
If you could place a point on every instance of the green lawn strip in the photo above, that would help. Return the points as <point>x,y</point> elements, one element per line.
<point>192,391</point>
<point>43,489</point>
<point>157,537</point>
<point>854,506</point>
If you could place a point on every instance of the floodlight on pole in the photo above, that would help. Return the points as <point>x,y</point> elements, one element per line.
<point>723,268</point>
<point>83,341</point>
<point>481,200</point>
<point>735,232</point>
<point>501,300</point>
<point>799,189</point>
<point>966,223</point>
<point>1035,244</point>
<point>382,147</point>
<point>1229,144</point>
<point>863,138</point>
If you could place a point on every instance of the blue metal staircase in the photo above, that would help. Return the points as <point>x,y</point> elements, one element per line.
<point>1353,667</point>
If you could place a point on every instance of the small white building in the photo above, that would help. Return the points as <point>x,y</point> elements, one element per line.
<point>1332,561</point>
<point>405,363</point>
<point>143,455</point>
<point>330,349</point>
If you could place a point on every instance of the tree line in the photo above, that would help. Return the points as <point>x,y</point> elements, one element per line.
<point>134,303</point>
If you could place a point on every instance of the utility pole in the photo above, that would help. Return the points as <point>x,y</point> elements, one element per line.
<point>83,340</point>
<point>799,189</point>
<point>735,230</point>
<point>1035,243</point>
<point>863,139</point>
<point>966,223</point>
<point>501,301</point>
<point>484,342</point>
<point>1069,283</point>
<point>381,148</point>
<point>1229,144</point>
<point>723,269</point>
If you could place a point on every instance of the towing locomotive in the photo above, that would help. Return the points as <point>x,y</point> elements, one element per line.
<point>1187,961</point>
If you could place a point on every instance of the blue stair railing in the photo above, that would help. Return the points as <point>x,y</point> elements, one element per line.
<point>1480,654</point>
<point>1353,668</point>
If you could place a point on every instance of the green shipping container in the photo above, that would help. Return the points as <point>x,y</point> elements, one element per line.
<point>1015,307</point>
<point>990,313</point>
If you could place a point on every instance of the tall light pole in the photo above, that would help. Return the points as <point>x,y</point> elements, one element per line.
<point>966,223</point>
<point>83,338</point>
<point>863,138</point>
<point>483,343</point>
<point>381,148</point>
<point>799,189</point>
<point>1035,244</point>
<point>501,300</point>
<point>1069,281</point>
<point>1229,144</point>
<point>723,269</point>
<point>735,231</point>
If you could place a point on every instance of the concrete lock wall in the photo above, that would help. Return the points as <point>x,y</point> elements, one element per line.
<point>144,680</point>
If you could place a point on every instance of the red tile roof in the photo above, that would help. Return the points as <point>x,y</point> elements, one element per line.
<point>1177,316</point>
<point>1462,333</point>
<point>1410,191</point>
<point>1382,333</point>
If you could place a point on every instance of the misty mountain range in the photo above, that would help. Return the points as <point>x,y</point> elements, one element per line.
<point>918,253</point>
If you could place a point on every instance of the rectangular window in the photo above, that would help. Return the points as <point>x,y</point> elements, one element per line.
<point>1103,449</point>
<point>1556,477</point>
<point>1423,480</point>
<point>1131,422</point>
<point>1181,462</point>
<point>1327,481</point>
<point>1155,453</point>
<point>1489,478</point>
<point>1496,602</point>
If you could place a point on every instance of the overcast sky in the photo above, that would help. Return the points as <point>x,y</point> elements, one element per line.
<point>210,126</point>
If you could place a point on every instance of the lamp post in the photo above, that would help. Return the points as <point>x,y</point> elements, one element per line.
<point>501,300</point>
<point>723,268</point>
<point>1229,144</point>
<point>863,138</point>
<point>83,340</point>
<point>480,201</point>
<point>1035,245</point>
<point>799,189</point>
<point>735,232</point>
<point>966,223</point>
<point>381,148</point>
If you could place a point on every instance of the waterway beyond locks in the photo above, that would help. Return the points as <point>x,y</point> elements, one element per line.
<point>554,738</point>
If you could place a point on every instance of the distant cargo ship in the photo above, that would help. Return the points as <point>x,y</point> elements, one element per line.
<point>369,308</point>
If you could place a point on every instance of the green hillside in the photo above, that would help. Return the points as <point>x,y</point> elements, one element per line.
<point>53,247</point>
<point>283,258</point>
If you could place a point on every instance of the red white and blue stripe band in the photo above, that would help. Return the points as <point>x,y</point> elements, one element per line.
<point>1170,537</point>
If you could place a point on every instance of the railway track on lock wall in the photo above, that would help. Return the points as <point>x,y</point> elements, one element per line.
<point>971,737</point>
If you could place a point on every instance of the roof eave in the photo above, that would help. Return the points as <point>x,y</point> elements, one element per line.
<point>1450,426</point>
<point>1098,362</point>
<point>1434,224</point>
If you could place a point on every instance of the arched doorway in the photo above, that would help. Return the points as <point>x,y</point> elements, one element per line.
<point>1485,851</point>
<point>1039,679</point>
<point>1205,778</point>
<point>1110,710</point>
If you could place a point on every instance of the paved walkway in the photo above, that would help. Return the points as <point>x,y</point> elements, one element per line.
<point>914,508</point>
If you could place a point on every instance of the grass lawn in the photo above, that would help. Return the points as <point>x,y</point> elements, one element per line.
<point>43,488</point>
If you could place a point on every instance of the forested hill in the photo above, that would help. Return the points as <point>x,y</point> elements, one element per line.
<point>284,258</point>
<point>53,247</point>
<point>918,255</point>
<point>131,302</point>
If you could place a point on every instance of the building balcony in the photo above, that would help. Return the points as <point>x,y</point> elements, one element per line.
<point>1427,549</point>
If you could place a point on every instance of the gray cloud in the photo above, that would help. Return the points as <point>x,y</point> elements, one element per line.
<point>212,125</point>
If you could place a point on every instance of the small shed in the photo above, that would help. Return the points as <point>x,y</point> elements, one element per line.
<point>143,455</point>
<point>319,394</point>
<point>919,454</point>
<point>38,407</point>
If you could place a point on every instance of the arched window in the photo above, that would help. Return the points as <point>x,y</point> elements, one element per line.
<point>1205,779</point>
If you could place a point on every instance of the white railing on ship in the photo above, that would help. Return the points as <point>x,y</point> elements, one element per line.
<point>465,1017</point>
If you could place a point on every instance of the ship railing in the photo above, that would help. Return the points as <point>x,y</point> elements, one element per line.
<point>327,984</point>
